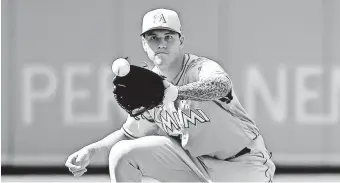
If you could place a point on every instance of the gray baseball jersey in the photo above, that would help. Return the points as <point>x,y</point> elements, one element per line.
<point>218,128</point>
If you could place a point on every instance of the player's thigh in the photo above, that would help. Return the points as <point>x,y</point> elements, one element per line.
<point>155,157</point>
<point>151,149</point>
<point>249,167</point>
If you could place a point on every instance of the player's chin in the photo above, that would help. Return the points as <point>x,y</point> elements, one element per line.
<point>159,61</point>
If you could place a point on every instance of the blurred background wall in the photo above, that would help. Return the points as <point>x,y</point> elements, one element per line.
<point>283,58</point>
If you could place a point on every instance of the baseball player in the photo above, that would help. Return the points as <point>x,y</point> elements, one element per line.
<point>200,133</point>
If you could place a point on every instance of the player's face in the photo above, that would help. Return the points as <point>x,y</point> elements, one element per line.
<point>162,46</point>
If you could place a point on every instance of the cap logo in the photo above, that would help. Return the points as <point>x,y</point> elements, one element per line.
<point>159,18</point>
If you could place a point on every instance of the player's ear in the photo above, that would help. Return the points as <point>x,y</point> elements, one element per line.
<point>181,41</point>
<point>143,43</point>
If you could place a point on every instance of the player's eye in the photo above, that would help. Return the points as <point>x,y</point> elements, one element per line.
<point>152,38</point>
<point>168,37</point>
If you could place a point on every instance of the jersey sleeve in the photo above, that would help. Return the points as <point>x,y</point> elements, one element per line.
<point>139,127</point>
<point>204,68</point>
<point>209,68</point>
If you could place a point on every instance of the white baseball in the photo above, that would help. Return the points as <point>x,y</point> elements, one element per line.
<point>120,67</point>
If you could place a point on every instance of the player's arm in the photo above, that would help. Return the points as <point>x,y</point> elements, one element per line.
<point>131,129</point>
<point>212,82</point>
<point>107,142</point>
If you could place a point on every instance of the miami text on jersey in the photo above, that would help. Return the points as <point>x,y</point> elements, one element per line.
<point>181,119</point>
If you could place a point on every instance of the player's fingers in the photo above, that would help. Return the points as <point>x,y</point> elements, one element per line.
<point>70,165</point>
<point>75,169</point>
<point>80,172</point>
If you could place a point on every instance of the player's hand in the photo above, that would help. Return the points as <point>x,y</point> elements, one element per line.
<point>78,161</point>
<point>170,93</point>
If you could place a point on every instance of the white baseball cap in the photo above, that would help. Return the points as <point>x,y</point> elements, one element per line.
<point>161,19</point>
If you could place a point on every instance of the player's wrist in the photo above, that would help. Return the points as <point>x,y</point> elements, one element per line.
<point>95,147</point>
<point>170,93</point>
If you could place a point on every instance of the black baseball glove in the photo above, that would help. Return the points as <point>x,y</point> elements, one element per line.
<point>138,91</point>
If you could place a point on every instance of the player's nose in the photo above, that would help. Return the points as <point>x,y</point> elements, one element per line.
<point>162,44</point>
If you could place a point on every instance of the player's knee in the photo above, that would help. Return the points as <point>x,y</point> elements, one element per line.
<point>122,152</point>
<point>119,151</point>
<point>120,160</point>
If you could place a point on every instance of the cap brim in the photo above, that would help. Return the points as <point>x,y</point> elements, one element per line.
<point>160,28</point>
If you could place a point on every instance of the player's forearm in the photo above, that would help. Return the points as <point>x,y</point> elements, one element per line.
<point>107,142</point>
<point>209,89</point>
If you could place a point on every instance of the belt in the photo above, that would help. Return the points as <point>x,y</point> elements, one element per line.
<point>242,152</point>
